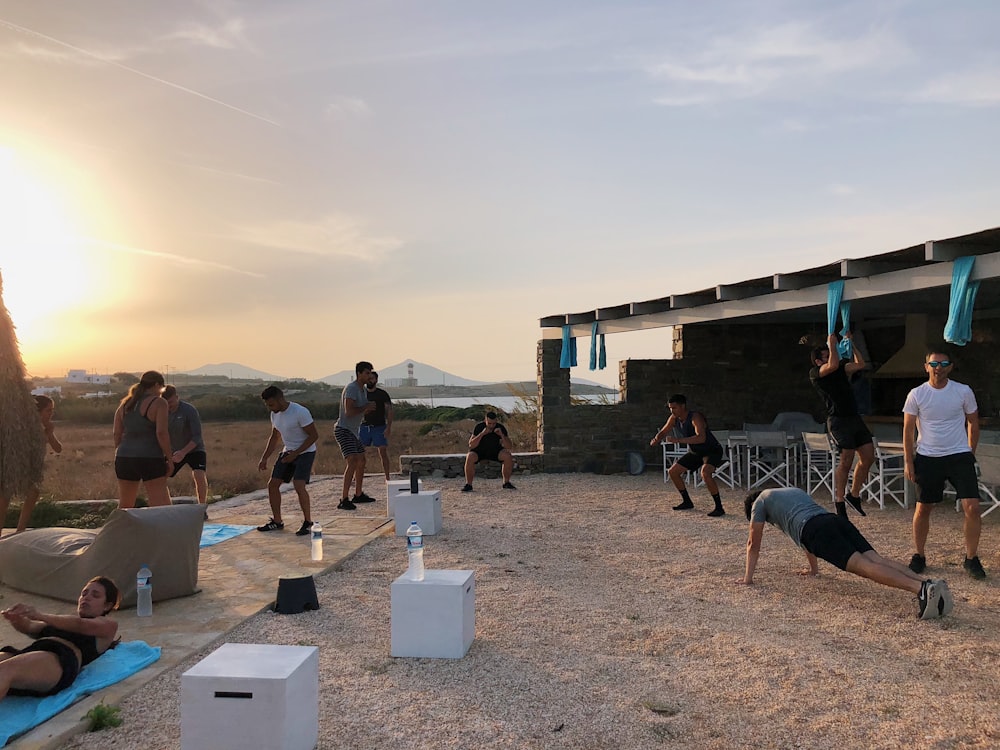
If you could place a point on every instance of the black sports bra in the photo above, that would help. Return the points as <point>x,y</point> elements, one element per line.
<point>86,643</point>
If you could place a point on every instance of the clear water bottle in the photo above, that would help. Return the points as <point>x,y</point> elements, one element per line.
<point>317,541</point>
<point>144,592</point>
<point>415,551</point>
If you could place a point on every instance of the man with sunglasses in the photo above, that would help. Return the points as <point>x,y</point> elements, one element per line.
<point>940,435</point>
<point>832,380</point>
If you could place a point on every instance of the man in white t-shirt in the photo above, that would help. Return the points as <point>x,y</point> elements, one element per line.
<point>292,424</point>
<point>940,435</point>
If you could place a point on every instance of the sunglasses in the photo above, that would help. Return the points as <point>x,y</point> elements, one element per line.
<point>935,364</point>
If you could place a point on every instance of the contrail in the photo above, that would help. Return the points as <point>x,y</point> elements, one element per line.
<point>180,259</point>
<point>185,89</point>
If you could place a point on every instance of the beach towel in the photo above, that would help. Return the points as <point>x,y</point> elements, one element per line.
<point>213,533</point>
<point>567,357</point>
<point>20,713</point>
<point>834,307</point>
<point>958,329</point>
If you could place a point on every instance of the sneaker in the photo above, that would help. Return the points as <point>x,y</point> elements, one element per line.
<point>717,512</point>
<point>362,498</point>
<point>928,600</point>
<point>686,505</point>
<point>974,567</point>
<point>947,601</point>
<point>508,486</point>
<point>467,488</point>
<point>304,528</point>
<point>271,525</point>
<point>918,563</point>
<point>854,503</point>
<point>346,504</point>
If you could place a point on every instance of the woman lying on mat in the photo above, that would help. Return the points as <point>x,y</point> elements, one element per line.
<point>64,644</point>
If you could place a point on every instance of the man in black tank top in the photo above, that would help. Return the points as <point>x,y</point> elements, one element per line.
<point>704,452</point>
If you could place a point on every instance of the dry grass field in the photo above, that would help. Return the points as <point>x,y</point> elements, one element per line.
<point>85,468</point>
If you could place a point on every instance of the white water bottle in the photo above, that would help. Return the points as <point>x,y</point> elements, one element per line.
<point>144,592</point>
<point>415,551</point>
<point>317,541</point>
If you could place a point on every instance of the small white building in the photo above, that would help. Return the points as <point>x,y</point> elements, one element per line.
<point>82,376</point>
<point>47,390</point>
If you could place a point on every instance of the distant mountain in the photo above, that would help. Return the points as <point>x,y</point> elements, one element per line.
<point>424,374</point>
<point>233,370</point>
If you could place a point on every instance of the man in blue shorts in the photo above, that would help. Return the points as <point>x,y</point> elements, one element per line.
<point>354,405</point>
<point>947,417</point>
<point>377,425</point>
<point>704,451</point>
<point>291,424</point>
<point>832,379</point>
<point>833,538</point>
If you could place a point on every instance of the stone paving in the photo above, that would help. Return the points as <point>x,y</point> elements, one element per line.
<point>238,578</point>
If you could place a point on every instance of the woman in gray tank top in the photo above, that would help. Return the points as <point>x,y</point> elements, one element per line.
<point>142,443</point>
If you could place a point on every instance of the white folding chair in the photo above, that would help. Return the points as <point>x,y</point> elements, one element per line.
<point>886,478</point>
<point>820,463</point>
<point>728,472</point>
<point>988,464</point>
<point>768,458</point>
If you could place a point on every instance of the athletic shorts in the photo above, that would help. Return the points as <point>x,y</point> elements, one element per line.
<point>298,470</point>
<point>849,433</point>
<point>132,469</point>
<point>68,662</point>
<point>350,444</point>
<point>932,471</point>
<point>834,539</point>
<point>486,455</point>
<point>374,435</point>
<point>195,459</point>
<point>693,461</point>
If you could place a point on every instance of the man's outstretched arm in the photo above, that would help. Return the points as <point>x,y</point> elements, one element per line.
<point>753,551</point>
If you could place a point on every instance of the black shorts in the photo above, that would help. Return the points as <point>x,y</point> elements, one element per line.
<point>931,472</point>
<point>849,433</point>
<point>68,662</point>
<point>487,455</point>
<point>131,469</point>
<point>693,461</point>
<point>298,470</point>
<point>834,539</point>
<point>195,459</point>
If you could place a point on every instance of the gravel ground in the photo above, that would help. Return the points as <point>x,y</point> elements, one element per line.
<point>606,620</point>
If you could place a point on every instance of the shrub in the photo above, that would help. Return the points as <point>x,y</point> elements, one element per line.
<point>102,716</point>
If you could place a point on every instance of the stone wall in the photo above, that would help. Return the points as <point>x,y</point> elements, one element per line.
<point>453,465</point>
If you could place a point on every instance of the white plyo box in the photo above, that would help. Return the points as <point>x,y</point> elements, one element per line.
<point>398,487</point>
<point>422,507</point>
<point>251,695</point>
<point>434,618</point>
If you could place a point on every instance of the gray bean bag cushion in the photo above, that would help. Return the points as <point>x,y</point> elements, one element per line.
<point>57,562</point>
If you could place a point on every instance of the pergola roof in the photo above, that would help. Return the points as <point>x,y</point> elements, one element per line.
<point>914,279</point>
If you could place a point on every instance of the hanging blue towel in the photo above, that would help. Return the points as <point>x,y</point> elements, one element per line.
<point>602,361</point>
<point>593,346</point>
<point>836,307</point>
<point>568,356</point>
<point>958,329</point>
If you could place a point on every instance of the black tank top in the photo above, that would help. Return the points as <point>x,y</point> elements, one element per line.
<point>86,643</point>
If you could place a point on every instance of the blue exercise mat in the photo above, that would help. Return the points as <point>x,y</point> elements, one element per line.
<point>213,533</point>
<point>20,713</point>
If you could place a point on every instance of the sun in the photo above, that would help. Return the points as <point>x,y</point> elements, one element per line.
<point>46,267</point>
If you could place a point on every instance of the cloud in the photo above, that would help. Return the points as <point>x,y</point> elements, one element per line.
<point>974,88</point>
<point>346,108</point>
<point>775,60</point>
<point>841,189</point>
<point>332,236</point>
<point>227,35</point>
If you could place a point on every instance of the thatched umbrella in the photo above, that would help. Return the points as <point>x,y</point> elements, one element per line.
<point>22,444</point>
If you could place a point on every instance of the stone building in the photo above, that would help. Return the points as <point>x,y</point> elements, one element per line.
<point>741,351</point>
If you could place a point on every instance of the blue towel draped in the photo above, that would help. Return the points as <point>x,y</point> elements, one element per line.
<point>958,329</point>
<point>568,356</point>
<point>596,362</point>
<point>835,306</point>
<point>21,713</point>
<point>213,533</point>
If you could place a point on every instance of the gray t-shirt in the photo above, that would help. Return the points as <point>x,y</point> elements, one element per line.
<point>788,508</point>
<point>185,426</point>
<point>356,392</point>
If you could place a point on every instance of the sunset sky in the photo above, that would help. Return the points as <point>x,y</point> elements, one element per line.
<point>298,185</point>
